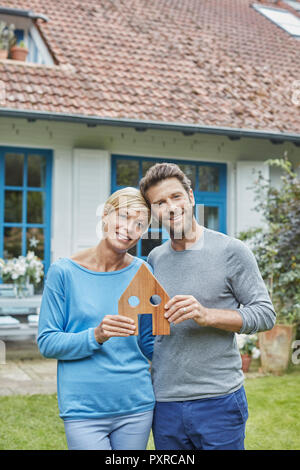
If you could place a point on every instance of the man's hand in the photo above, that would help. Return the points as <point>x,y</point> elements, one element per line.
<point>114,325</point>
<point>186,307</point>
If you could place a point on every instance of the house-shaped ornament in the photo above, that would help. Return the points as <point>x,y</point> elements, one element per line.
<point>136,299</point>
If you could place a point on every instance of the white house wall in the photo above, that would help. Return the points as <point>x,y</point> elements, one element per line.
<point>91,187</point>
<point>246,175</point>
<point>70,182</point>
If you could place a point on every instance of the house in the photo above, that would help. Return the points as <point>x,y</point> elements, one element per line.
<point>110,87</point>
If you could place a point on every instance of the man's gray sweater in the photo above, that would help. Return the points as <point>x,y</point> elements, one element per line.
<point>220,272</point>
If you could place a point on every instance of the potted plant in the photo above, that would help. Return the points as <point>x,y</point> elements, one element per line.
<point>19,51</point>
<point>277,250</point>
<point>248,349</point>
<point>7,38</point>
<point>22,271</point>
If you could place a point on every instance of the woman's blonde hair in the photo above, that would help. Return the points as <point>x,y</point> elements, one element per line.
<point>127,197</point>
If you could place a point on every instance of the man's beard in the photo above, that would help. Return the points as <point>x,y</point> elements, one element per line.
<point>184,229</point>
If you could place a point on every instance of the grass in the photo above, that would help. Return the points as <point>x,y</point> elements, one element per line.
<point>32,422</point>
<point>274,404</point>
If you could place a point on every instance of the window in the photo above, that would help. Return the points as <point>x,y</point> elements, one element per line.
<point>293,4</point>
<point>19,33</point>
<point>25,200</point>
<point>26,30</point>
<point>208,183</point>
<point>282,18</point>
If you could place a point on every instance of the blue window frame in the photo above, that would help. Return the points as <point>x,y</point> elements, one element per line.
<point>25,202</point>
<point>19,33</point>
<point>208,183</point>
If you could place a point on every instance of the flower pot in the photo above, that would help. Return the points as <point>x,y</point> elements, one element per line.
<point>275,348</point>
<point>3,53</point>
<point>246,361</point>
<point>18,53</point>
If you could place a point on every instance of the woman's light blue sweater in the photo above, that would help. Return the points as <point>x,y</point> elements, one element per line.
<point>93,380</point>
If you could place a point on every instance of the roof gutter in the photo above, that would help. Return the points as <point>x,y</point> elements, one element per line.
<point>25,13</point>
<point>142,125</point>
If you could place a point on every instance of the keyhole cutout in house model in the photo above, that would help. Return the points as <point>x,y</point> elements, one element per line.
<point>136,299</point>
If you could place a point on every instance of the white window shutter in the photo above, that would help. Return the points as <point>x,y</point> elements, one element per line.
<point>246,175</point>
<point>91,188</point>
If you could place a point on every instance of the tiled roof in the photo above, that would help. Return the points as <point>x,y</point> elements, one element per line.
<point>207,62</point>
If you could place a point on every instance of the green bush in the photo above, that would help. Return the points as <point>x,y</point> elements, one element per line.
<point>277,244</point>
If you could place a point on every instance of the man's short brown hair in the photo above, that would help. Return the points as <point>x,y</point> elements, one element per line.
<point>160,172</point>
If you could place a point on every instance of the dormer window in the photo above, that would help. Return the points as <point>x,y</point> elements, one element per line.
<point>293,4</point>
<point>282,18</point>
<point>27,34</point>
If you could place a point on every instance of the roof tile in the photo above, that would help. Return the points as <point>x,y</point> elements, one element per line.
<point>209,62</point>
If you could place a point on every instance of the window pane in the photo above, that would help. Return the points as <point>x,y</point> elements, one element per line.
<point>208,178</point>
<point>35,207</point>
<point>127,173</point>
<point>211,217</point>
<point>133,251</point>
<point>146,165</point>
<point>35,241</point>
<point>12,242</point>
<point>14,169</point>
<point>13,206</point>
<point>153,239</point>
<point>190,172</point>
<point>36,171</point>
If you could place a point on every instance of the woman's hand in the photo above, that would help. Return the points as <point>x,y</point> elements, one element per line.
<point>114,325</point>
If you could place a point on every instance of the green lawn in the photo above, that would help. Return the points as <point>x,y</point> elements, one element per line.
<point>32,422</point>
<point>274,413</point>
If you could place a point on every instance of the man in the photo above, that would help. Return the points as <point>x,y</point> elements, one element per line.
<point>216,289</point>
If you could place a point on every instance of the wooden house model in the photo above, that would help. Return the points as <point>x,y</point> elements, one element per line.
<point>136,299</point>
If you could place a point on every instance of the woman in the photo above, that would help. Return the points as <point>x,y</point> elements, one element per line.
<point>104,387</point>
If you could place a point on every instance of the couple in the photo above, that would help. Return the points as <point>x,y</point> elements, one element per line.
<point>195,398</point>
